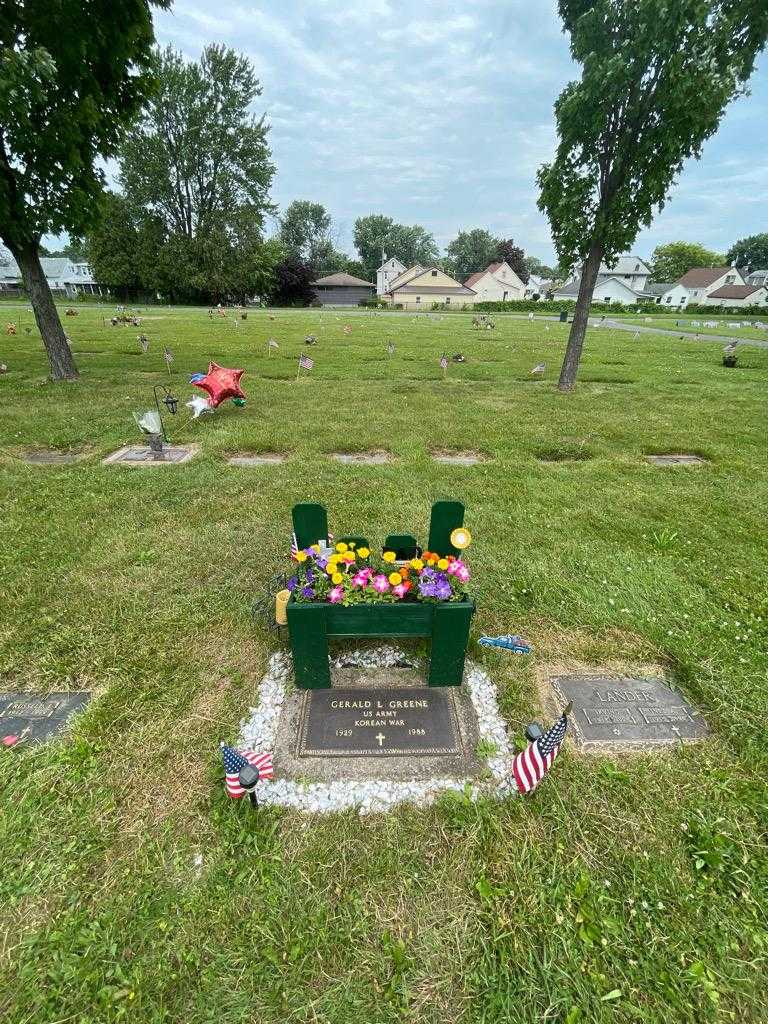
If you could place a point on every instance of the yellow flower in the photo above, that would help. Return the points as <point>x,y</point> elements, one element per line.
<point>416,563</point>
<point>363,552</point>
<point>341,547</point>
<point>300,556</point>
<point>395,578</point>
<point>389,556</point>
<point>331,569</point>
<point>351,544</point>
<point>315,547</point>
<point>349,557</point>
<point>443,563</point>
<point>337,578</point>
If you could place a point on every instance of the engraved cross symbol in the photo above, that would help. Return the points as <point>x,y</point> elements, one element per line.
<point>381,737</point>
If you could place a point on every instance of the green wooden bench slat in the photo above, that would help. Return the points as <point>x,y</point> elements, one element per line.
<point>450,635</point>
<point>310,523</point>
<point>446,516</point>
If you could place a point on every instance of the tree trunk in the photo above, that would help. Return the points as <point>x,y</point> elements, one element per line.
<point>572,358</point>
<point>47,316</point>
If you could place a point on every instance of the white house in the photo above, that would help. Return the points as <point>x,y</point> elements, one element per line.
<point>625,280</point>
<point>610,289</point>
<point>62,274</point>
<point>420,287</point>
<point>758,277</point>
<point>390,268</point>
<point>738,295</point>
<point>497,283</point>
<point>698,283</point>
<point>540,286</point>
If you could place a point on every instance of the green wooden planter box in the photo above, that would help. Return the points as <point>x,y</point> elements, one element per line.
<point>447,624</point>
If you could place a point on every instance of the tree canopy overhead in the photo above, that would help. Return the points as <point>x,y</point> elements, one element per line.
<point>68,89</point>
<point>669,262</point>
<point>514,257</point>
<point>656,78</point>
<point>199,154</point>
<point>749,252</point>
<point>306,232</point>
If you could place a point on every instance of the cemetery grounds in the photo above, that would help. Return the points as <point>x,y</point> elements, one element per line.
<point>625,889</point>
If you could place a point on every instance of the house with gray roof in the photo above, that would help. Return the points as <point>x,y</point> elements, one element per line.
<point>342,290</point>
<point>65,277</point>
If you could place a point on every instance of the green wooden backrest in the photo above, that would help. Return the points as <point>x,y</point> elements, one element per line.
<point>446,516</point>
<point>403,544</point>
<point>310,523</point>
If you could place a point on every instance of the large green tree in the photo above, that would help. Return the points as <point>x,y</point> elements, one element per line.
<point>514,257</point>
<point>535,266</point>
<point>749,252</point>
<point>669,262</point>
<point>471,251</point>
<point>73,75</point>
<point>656,78</point>
<point>377,234</point>
<point>306,231</point>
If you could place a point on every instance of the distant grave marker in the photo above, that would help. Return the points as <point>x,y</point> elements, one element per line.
<point>50,457</point>
<point>676,460</point>
<point>376,458</point>
<point>632,713</point>
<point>260,459</point>
<point>457,458</point>
<point>37,717</point>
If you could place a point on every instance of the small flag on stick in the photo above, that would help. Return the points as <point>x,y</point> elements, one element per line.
<point>271,343</point>
<point>168,357</point>
<point>390,348</point>
<point>305,363</point>
<point>444,364</point>
<point>234,760</point>
<point>532,764</point>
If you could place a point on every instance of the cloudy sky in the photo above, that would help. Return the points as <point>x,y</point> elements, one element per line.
<point>439,113</point>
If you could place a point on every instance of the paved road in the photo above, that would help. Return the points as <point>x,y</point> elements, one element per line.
<point>678,333</point>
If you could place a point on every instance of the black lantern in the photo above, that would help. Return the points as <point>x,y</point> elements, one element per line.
<point>249,780</point>
<point>170,402</point>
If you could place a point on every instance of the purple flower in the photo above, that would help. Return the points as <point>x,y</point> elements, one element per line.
<point>293,582</point>
<point>442,590</point>
<point>307,592</point>
<point>310,574</point>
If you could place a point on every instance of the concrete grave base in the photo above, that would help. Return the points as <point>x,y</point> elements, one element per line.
<point>456,458</point>
<point>374,458</point>
<point>141,455</point>
<point>371,784</point>
<point>52,457</point>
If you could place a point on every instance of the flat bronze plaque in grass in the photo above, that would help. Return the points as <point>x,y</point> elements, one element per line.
<point>50,457</point>
<point>142,455</point>
<point>36,717</point>
<point>376,722</point>
<point>640,713</point>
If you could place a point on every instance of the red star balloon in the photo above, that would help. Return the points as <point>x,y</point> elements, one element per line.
<point>221,383</point>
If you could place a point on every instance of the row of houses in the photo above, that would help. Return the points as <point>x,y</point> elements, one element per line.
<point>419,287</point>
<point>65,277</point>
<point>628,281</point>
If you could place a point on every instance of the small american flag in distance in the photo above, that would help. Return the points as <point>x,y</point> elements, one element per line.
<point>234,760</point>
<point>532,764</point>
<point>306,363</point>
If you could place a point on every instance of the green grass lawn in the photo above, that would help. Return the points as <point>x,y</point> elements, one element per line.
<point>624,890</point>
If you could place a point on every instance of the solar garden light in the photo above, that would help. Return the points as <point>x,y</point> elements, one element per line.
<point>171,404</point>
<point>249,780</point>
<point>533,731</point>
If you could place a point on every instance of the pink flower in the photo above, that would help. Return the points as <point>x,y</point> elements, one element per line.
<point>336,595</point>
<point>381,584</point>
<point>463,574</point>
<point>359,579</point>
<point>400,590</point>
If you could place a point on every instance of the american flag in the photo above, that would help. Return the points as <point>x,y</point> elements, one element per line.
<point>305,362</point>
<point>532,764</point>
<point>167,355</point>
<point>443,362</point>
<point>272,343</point>
<point>294,546</point>
<point>391,347</point>
<point>234,760</point>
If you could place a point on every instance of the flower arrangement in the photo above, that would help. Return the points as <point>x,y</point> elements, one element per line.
<point>349,575</point>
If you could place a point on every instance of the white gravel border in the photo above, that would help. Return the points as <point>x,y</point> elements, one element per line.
<point>258,733</point>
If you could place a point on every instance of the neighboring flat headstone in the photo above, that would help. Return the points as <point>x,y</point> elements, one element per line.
<point>676,460</point>
<point>374,722</point>
<point>452,458</point>
<point>361,458</point>
<point>50,457</point>
<point>36,717</point>
<point>632,713</point>
<point>142,455</point>
<point>262,459</point>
